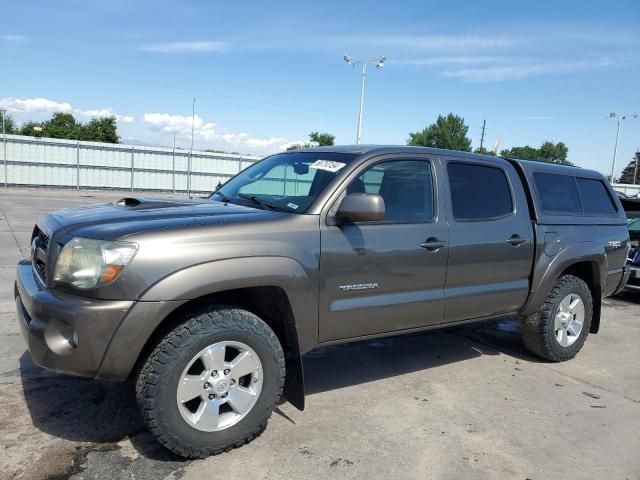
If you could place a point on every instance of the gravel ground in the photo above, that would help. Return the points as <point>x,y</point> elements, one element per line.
<point>456,403</point>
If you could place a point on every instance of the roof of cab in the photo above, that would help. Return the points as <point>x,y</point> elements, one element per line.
<point>390,149</point>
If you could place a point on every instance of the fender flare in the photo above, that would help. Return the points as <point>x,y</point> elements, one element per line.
<point>547,270</point>
<point>197,281</point>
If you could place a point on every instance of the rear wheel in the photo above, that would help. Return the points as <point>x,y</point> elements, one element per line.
<point>211,383</point>
<point>558,331</point>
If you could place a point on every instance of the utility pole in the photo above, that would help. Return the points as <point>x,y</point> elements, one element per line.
<point>484,124</point>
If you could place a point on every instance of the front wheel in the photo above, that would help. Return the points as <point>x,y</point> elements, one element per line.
<point>211,384</point>
<point>558,331</point>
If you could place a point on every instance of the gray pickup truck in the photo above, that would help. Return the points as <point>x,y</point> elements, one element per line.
<point>209,303</point>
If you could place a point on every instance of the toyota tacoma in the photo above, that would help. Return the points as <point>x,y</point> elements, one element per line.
<point>208,304</point>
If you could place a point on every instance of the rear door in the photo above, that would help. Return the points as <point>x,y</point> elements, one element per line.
<point>386,276</point>
<point>490,238</point>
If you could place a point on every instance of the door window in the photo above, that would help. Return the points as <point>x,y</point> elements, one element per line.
<point>478,192</point>
<point>406,187</point>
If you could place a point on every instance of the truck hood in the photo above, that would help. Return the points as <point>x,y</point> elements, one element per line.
<point>139,214</point>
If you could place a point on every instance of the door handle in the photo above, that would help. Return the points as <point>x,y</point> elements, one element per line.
<point>516,240</point>
<point>433,244</point>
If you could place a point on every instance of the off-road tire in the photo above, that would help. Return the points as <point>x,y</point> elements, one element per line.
<point>157,380</point>
<point>538,329</point>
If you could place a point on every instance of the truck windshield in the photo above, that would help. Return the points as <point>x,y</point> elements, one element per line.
<point>287,182</point>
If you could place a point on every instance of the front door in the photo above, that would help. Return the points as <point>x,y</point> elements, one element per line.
<point>386,276</point>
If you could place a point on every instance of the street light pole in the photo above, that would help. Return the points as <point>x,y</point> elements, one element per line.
<point>352,62</point>
<point>615,146</point>
<point>620,118</point>
<point>364,76</point>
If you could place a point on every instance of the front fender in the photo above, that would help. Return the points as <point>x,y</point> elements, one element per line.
<point>548,268</point>
<point>161,299</point>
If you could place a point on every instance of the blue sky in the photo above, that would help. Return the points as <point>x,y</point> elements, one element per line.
<point>267,73</point>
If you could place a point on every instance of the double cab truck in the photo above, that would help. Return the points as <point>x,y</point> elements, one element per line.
<point>208,304</point>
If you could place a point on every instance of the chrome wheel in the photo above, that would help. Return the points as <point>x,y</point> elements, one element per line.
<point>569,319</point>
<point>219,386</point>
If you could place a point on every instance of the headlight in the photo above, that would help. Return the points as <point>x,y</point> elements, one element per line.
<point>85,263</point>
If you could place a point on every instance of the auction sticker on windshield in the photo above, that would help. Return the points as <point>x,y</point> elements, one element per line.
<point>328,165</point>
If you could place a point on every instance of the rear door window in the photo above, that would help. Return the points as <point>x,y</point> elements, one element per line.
<point>557,193</point>
<point>478,192</point>
<point>595,197</point>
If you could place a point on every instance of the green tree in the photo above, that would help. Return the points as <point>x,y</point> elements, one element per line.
<point>9,125</point>
<point>64,125</point>
<point>484,151</point>
<point>61,125</point>
<point>554,153</point>
<point>33,129</point>
<point>100,130</point>
<point>548,152</point>
<point>525,153</point>
<point>448,132</point>
<point>322,139</point>
<point>315,139</point>
<point>631,170</point>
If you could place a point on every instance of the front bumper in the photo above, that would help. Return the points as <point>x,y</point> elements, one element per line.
<point>64,332</point>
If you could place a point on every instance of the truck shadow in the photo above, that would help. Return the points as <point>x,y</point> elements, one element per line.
<point>84,410</point>
<point>338,366</point>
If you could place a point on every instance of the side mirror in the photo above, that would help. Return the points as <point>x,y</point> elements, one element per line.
<point>361,207</point>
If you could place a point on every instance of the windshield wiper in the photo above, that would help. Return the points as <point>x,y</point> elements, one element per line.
<point>258,201</point>
<point>225,199</point>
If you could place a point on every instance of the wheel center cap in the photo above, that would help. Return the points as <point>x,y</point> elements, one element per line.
<point>222,386</point>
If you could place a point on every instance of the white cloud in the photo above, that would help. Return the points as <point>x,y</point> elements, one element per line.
<point>449,60</point>
<point>185,47</point>
<point>525,68</point>
<point>45,105</point>
<point>30,105</point>
<point>12,38</point>
<point>208,134</point>
<point>436,42</point>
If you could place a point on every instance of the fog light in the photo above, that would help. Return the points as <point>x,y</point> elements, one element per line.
<point>61,338</point>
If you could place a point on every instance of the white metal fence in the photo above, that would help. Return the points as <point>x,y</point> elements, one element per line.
<point>631,190</point>
<point>31,161</point>
<point>50,162</point>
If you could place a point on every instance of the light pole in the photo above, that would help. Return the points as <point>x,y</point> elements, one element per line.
<point>620,118</point>
<point>352,62</point>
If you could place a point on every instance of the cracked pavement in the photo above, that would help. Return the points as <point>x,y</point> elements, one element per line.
<point>457,403</point>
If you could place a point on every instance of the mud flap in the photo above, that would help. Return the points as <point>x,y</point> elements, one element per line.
<point>294,381</point>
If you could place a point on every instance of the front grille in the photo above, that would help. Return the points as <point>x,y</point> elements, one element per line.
<point>41,269</point>
<point>40,246</point>
<point>43,239</point>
